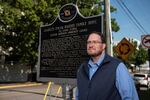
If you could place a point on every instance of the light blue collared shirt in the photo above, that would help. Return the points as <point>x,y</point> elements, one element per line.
<point>124,81</point>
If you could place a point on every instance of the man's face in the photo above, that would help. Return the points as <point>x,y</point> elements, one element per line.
<point>94,45</point>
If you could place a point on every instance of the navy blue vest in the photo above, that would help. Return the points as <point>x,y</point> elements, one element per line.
<point>102,85</point>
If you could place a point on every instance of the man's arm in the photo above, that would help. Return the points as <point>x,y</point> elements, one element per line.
<point>125,83</point>
<point>76,94</point>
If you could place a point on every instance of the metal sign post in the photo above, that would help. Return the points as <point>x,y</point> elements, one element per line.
<point>149,58</point>
<point>67,92</point>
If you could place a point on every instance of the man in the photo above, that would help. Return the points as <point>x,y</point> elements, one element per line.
<point>103,77</point>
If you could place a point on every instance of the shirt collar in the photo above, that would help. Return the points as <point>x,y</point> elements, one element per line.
<point>91,64</point>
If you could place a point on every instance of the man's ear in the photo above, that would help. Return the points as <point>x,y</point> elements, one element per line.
<point>104,45</point>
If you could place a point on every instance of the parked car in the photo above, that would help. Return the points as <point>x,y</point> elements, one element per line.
<point>142,80</point>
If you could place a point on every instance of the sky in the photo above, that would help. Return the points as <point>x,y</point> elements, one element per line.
<point>140,10</point>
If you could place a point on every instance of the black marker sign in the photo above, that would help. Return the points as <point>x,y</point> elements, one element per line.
<point>63,43</point>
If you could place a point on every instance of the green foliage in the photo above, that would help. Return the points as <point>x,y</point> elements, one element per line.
<point>89,7</point>
<point>113,9</point>
<point>20,26</point>
<point>114,25</point>
<point>139,56</point>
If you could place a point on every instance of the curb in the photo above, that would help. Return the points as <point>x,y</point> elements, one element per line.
<point>16,85</point>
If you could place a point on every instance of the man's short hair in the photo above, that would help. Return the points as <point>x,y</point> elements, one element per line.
<point>98,33</point>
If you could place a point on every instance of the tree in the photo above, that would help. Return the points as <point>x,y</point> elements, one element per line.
<point>20,21</point>
<point>139,56</point>
<point>19,29</point>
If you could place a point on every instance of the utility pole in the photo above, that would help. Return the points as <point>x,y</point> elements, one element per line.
<point>149,58</point>
<point>107,26</point>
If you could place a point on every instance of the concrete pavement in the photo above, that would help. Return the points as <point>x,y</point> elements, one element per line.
<point>55,90</point>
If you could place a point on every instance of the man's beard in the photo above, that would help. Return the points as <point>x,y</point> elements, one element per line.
<point>95,54</point>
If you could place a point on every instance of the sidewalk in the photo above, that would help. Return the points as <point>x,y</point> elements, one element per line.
<point>55,90</point>
<point>37,90</point>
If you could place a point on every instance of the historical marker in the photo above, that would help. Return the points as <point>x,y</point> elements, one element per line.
<point>63,43</point>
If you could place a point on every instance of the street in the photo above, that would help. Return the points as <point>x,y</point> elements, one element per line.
<point>37,92</point>
<point>30,93</point>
